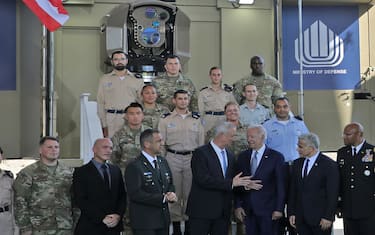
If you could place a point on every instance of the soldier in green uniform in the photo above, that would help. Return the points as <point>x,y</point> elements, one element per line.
<point>172,81</point>
<point>152,111</point>
<point>126,142</point>
<point>42,195</point>
<point>269,88</point>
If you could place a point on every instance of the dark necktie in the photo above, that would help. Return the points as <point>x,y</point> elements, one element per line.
<point>105,176</point>
<point>306,168</point>
<point>157,168</point>
<point>254,163</point>
<point>354,151</point>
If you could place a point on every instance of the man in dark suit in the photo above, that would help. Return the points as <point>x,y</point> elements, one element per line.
<point>357,188</point>
<point>150,187</point>
<point>262,206</point>
<point>99,192</point>
<point>210,199</point>
<point>313,189</point>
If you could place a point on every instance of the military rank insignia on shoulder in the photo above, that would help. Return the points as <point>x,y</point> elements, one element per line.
<point>195,115</point>
<point>228,88</point>
<point>9,173</point>
<point>203,88</point>
<point>164,115</point>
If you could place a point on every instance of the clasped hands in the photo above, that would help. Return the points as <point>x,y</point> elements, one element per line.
<point>247,182</point>
<point>111,220</point>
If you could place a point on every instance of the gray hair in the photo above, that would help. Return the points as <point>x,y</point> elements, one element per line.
<point>223,128</point>
<point>260,129</point>
<point>310,139</point>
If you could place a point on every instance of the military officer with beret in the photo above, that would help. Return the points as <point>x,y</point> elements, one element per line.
<point>357,188</point>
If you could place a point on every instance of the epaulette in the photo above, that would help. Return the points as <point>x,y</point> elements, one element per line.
<point>195,115</point>
<point>203,88</point>
<point>9,173</point>
<point>265,106</point>
<point>228,88</point>
<point>266,120</point>
<point>298,118</point>
<point>164,115</point>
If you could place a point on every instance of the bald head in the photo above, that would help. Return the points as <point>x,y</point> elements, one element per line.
<point>353,134</point>
<point>102,149</point>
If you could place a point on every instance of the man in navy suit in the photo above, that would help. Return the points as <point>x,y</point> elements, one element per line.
<point>99,192</point>
<point>357,174</point>
<point>150,187</point>
<point>314,189</point>
<point>210,200</point>
<point>262,205</point>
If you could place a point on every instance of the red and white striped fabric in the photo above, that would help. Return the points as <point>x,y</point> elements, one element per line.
<point>50,12</point>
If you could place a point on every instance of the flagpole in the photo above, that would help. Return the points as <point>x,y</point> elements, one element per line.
<point>48,67</point>
<point>300,38</point>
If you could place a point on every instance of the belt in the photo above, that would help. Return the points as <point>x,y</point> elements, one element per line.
<point>179,152</point>
<point>115,111</point>
<point>3,209</point>
<point>215,113</point>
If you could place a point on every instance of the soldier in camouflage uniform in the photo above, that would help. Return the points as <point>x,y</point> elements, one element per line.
<point>239,143</point>
<point>126,142</point>
<point>7,224</point>
<point>152,110</point>
<point>172,81</point>
<point>43,203</point>
<point>212,99</point>
<point>269,88</point>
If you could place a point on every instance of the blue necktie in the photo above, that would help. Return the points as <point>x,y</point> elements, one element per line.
<point>254,163</point>
<point>224,162</point>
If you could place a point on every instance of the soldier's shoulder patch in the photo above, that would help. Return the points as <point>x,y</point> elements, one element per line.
<point>228,88</point>
<point>9,173</point>
<point>298,118</point>
<point>195,115</point>
<point>164,115</point>
<point>204,88</point>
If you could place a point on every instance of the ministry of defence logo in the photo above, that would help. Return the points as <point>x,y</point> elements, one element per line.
<point>321,47</point>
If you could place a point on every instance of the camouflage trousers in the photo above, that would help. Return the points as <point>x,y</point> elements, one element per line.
<point>52,232</point>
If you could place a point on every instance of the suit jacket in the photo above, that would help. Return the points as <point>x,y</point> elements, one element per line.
<point>146,189</point>
<point>271,171</point>
<point>315,196</point>
<point>96,201</point>
<point>211,192</point>
<point>357,186</point>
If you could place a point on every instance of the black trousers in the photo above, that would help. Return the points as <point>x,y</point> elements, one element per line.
<point>163,231</point>
<point>360,226</point>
